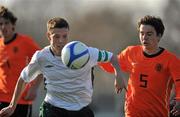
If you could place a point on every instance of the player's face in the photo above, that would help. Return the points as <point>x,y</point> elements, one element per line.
<point>6,28</point>
<point>148,38</point>
<point>58,37</point>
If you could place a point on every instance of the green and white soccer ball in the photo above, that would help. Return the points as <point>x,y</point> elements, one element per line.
<point>75,55</point>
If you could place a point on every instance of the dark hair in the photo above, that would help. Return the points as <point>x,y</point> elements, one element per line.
<point>57,22</point>
<point>5,13</point>
<point>154,22</point>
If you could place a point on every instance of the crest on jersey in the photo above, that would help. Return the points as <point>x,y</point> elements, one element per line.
<point>158,67</point>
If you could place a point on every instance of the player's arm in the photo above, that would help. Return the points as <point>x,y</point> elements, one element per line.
<point>32,92</point>
<point>8,111</point>
<point>119,81</point>
<point>105,56</point>
<point>32,73</point>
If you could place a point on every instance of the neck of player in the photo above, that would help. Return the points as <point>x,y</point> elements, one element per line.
<point>152,51</point>
<point>55,51</point>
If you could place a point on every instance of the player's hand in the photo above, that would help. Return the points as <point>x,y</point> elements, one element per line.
<point>176,109</point>
<point>7,111</point>
<point>119,84</point>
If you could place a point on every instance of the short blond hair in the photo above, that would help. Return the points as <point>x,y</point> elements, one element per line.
<point>57,22</point>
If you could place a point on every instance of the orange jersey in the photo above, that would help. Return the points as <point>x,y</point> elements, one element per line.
<point>14,56</point>
<point>150,82</point>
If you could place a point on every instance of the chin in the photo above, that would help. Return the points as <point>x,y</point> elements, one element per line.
<point>145,47</point>
<point>60,48</point>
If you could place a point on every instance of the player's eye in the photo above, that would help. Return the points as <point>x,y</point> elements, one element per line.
<point>149,34</point>
<point>64,36</point>
<point>55,36</point>
<point>7,22</point>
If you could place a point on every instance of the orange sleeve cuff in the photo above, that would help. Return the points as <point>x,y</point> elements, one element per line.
<point>106,67</point>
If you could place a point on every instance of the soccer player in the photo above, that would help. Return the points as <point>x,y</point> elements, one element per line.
<point>69,92</point>
<point>15,51</point>
<point>152,72</point>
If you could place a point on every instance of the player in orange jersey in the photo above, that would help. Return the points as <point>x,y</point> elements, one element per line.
<point>152,71</point>
<point>15,51</point>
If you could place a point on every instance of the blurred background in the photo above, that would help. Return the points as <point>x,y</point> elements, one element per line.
<point>106,24</point>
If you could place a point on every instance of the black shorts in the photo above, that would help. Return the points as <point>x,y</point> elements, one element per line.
<point>22,110</point>
<point>48,110</point>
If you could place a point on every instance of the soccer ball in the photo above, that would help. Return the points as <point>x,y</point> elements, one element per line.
<point>75,55</point>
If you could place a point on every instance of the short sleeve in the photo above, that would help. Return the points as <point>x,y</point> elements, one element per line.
<point>32,70</point>
<point>97,55</point>
<point>122,58</point>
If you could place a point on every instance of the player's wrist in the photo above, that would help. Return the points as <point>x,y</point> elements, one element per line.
<point>13,105</point>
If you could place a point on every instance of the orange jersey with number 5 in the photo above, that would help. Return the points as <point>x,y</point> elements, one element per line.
<point>150,81</point>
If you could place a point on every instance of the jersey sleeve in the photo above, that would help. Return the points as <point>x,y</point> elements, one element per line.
<point>104,56</point>
<point>97,55</point>
<point>106,67</point>
<point>174,68</point>
<point>32,70</point>
<point>122,58</point>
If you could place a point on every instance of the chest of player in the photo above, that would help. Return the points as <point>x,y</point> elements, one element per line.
<point>13,55</point>
<point>150,73</point>
<point>147,66</point>
<point>54,69</point>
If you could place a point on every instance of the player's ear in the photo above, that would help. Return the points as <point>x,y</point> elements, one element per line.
<point>48,35</point>
<point>159,37</point>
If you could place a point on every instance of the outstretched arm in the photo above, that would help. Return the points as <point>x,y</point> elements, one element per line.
<point>32,92</point>
<point>119,81</point>
<point>8,111</point>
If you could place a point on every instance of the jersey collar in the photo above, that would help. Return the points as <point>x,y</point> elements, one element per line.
<point>13,38</point>
<point>51,51</point>
<point>153,55</point>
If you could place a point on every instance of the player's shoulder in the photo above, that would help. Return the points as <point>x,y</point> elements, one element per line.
<point>45,52</point>
<point>134,47</point>
<point>24,36</point>
<point>39,54</point>
<point>26,40</point>
<point>169,54</point>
